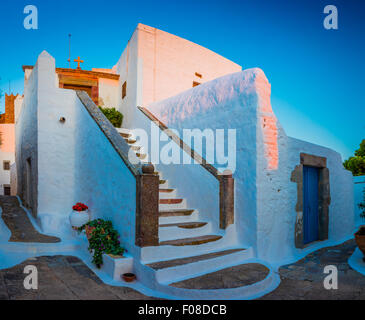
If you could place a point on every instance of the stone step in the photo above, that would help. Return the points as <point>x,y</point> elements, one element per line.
<point>176,212</point>
<point>141,156</point>
<point>125,135</point>
<point>166,190</point>
<point>136,148</point>
<point>191,241</point>
<point>171,201</point>
<point>162,181</point>
<point>123,130</point>
<point>166,193</point>
<point>184,225</point>
<point>243,275</point>
<point>130,141</point>
<point>182,261</point>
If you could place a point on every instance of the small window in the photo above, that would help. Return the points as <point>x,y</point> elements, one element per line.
<point>6,165</point>
<point>7,190</point>
<point>195,83</point>
<point>124,89</point>
<point>198,75</point>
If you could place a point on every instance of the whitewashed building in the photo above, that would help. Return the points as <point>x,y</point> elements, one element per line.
<point>7,137</point>
<point>277,198</point>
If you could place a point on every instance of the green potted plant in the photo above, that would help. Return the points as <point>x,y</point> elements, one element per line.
<point>113,115</point>
<point>103,238</point>
<point>360,235</point>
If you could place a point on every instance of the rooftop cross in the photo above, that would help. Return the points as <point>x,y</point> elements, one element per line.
<point>78,62</point>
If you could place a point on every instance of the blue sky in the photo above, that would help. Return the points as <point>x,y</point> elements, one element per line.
<point>317,75</point>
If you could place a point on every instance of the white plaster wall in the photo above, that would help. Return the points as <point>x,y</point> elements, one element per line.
<point>158,65</point>
<point>56,148</point>
<point>265,196</point>
<point>108,93</point>
<point>128,67</point>
<point>359,186</point>
<point>170,64</point>
<point>76,162</point>
<point>7,152</point>
<point>17,106</point>
<point>103,181</point>
<point>187,179</point>
<point>277,198</point>
<point>26,140</point>
<point>13,180</point>
<point>5,174</point>
<point>229,102</point>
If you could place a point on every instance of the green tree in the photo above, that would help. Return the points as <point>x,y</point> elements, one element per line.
<point>113,115</point>
<point>356,164</point>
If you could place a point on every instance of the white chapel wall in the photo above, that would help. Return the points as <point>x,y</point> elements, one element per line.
<point>158,65</point>
<point>76,162</point>
<point>108,93</point>
<point>171,64</point>
<point>128,67</point>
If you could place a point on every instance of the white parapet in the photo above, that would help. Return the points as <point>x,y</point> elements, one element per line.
<point>115,266</point>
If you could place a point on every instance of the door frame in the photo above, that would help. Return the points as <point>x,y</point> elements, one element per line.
<point>324,198</point>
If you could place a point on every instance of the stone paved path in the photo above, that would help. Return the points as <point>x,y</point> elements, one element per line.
<point>19,224</point>
<point>61,278</point>
<point>303,280</point>
<point>67,277</point>
<point>233,277</point>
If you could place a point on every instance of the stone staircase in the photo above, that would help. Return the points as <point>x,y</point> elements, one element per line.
<point>187,246</point>
<point>178,224</point>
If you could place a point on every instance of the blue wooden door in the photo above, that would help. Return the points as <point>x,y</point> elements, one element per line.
<point>310,203</point>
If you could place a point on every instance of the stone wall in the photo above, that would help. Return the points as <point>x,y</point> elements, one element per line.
<point>8,116</point>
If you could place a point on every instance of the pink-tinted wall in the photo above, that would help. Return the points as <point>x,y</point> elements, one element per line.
<point>7,137</point>
<point>170,63</point>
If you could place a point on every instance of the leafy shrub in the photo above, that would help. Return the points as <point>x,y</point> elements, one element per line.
<point>356,164</point>
<point>104,239</point>
<point>113,115</point>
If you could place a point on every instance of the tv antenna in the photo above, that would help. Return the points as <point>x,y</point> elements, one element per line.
<point>69,50</point>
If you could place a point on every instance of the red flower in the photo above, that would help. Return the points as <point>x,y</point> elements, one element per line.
<point>80,207</point>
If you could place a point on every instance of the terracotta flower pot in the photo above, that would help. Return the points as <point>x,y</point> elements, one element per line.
<point>89,231</point>
<point>129,277</point>
<point>360,240</point>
